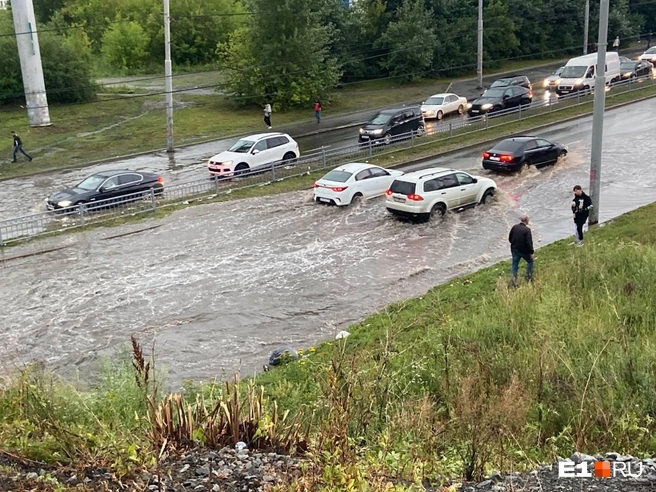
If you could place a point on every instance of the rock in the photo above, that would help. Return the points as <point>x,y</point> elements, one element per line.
<point>42,472</point>
<point>240,446</point>
<point>200,487</point>
<point>31,476</point>
<point>281,354</point>
<point>268,478</point>
<point>580,457</point>
<point>183,469</point>
<point>216,488</point>
<point>625,459</point>
<point>612,456</point>
<point>496,477</point>
<point>203,471</point>
<point>153,487</point>
<point>485,484</point>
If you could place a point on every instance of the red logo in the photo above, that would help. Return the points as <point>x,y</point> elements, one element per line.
<point>602,469</point>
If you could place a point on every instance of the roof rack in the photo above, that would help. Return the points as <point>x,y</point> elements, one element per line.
<point>443,170</point>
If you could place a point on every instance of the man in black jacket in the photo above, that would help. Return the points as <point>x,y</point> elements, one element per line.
<point>521,246</point>
<point>18,146</point>
<point>581,205</point>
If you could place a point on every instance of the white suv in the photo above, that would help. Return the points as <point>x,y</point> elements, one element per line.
<point>423,194</point>
<point>253,152</point>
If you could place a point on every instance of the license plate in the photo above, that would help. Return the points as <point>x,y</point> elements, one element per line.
<point>565,92</point>
<point>494,158</point>
<point>325,200</point>
<point>474,110</point>
<point>397,199</point>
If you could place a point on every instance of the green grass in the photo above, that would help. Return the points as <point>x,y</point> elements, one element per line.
<point>469,377</point>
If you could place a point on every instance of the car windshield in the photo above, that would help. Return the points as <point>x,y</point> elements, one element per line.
<point>437,101</point>
<point>651,51</point>
<point>381,119</point>
<point>508,146</point>
<point>501,83</point>
<point>338,176</point>
<point>402,187</point>
<point>493,93</point>
<point>628,65</point>
<point>559,71</point>
<point>242,146</point>
<point>574,72</point>
<point>92,182</point>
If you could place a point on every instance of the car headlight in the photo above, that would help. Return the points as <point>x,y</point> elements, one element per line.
<point>578,82</point>
<point>469,105</point>
<point>627,74</point>
<point>64,203</point>
<point>377,132</point>
<point>227,163</point>
<point>361,131</point>
<point>486,106</point>
<point>557,81</point>
<point>546,83</point>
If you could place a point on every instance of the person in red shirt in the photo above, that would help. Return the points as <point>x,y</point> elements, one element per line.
<point>317,110</point>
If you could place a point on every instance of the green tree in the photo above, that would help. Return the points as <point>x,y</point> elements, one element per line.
<point>411,41</point>
<point>282,56</point>
<point>124,45</point>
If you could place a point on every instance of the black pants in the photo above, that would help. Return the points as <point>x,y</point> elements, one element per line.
<point>267,120</point>
<point>580,222</point>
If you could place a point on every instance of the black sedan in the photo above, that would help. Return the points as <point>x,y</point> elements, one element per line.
<point>513,154</point>
<point>498,98</point>
<point>104,186</point>
<point>636,69</point>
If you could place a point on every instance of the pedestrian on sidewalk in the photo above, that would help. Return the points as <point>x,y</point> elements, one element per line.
<point>616,43</point>
<point>581,205</point>
<point>18,146</point>
<point>521,247</point>
<point>267,114</point>
<point>317,110</point>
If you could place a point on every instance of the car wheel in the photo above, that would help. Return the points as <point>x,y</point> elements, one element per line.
<point>421,130</point>
<point>461,109</point>
<point>357,198</point>
<point>489,193</point>
<point>438,210</point>
<point>241,169</point>
<point>439,115</point>
<point>387,138</point>
<point>289,158</point>
<point>523,167</point>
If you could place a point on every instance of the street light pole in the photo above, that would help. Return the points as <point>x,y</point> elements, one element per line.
<point>598,113</point>
<point>479,65</point>
<point>168,77</point>
<point>585,27</point>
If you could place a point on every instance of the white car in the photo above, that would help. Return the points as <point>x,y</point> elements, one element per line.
<point>649,55</point>
<point>350,182</point>
<point>253,152</point>
<point>553,80</point>
<point>439,105</point>
<point>423,194</point>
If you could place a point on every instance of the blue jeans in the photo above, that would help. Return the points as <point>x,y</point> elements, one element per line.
<point>516,257</point>
<point>317,115</point>
<point>19,148</point>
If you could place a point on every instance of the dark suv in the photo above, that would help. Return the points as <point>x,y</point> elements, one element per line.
<point>392,122</point>
<point>498,98</point>
<point>521,80</point>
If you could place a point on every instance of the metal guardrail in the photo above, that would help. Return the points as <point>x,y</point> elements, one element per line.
<point>57,221</point>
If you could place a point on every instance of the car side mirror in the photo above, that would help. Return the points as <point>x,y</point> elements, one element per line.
<point>506,96</point>
<point>102,189</point>
<point>475,180</point>
<point>255,151</point>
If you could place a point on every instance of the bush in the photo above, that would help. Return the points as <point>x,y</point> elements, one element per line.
<point>125,45</point>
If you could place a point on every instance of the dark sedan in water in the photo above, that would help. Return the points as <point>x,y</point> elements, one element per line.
<point>499,98</point>
<point>513,154</point>
<point>104,186</point>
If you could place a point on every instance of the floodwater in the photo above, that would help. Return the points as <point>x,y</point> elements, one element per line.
<point>217,287</point>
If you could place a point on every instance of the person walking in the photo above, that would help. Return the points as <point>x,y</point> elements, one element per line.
<point>267,114</point>
<point>317,110</point>
<point>581,205</point>
<point>18,146</point>
<point>616,43</point>
<point>521,247</point>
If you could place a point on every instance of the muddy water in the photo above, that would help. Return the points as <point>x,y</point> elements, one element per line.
<point>217,287</point>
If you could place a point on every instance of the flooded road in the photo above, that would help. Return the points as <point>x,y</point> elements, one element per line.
<point>218,287</point>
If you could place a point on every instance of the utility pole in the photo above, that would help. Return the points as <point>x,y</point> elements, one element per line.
<point>598,113</point>
<point>479,65</point>
<point>30,60</point>
<point>168,77</point>
<point>585,27</point>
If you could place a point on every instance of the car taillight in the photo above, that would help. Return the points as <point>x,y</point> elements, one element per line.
<point>388,192</point>
<point>339,189</point>
<point>506,158</point>
<point>316,185</point>
<point>160,180</point>
<point>486,155</point>
<point>415,198</point>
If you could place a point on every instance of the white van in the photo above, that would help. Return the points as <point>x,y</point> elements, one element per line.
<point>579,73</point>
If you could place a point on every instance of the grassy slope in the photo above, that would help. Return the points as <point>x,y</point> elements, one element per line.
<point>473,376</point>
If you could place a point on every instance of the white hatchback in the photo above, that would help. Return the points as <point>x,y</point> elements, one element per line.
<point>350,182</point>
<point>439,105</point>
<point>423,194</point>
<point>254,152</point>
